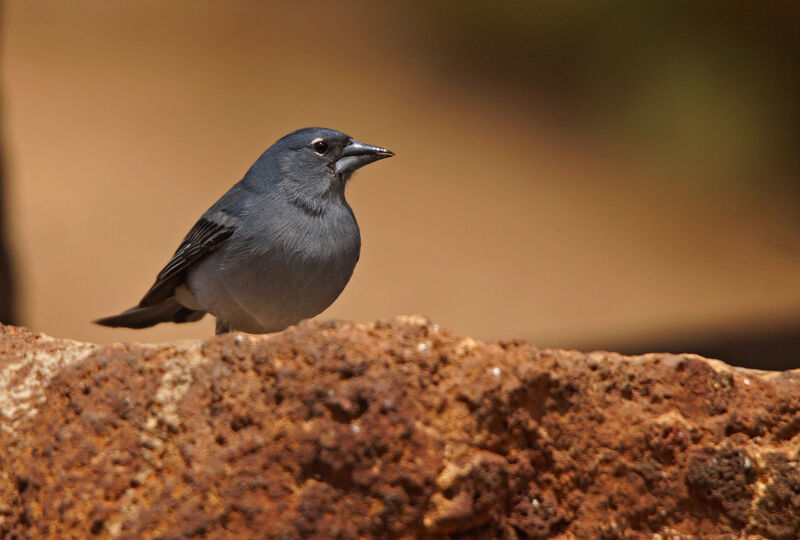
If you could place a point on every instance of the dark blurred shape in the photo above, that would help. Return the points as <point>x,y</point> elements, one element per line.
<point>8,311</point>
<point>755,346</point>
<point>706,91</point>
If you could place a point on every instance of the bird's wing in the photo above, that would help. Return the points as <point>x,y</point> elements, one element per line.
<point>206,236</point>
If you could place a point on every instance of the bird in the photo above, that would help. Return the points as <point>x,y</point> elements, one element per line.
<point>277,248</point>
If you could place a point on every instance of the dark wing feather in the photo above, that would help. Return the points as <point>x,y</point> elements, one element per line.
<point>205,237</point>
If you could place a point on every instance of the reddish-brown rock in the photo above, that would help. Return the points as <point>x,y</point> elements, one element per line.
<point>397,429</point>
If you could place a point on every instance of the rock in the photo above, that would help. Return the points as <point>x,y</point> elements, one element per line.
<point>397,429</point>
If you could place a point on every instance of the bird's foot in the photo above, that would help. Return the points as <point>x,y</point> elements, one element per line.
<point>223,327</point>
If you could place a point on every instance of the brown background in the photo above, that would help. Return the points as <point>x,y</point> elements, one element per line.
<point>577,178</point>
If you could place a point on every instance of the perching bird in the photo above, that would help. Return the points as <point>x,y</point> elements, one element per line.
<point>278,247</point>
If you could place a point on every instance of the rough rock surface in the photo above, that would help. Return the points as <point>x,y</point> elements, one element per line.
<point>398,429</point>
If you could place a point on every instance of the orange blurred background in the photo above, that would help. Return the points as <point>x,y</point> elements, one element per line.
<point>617,176</point>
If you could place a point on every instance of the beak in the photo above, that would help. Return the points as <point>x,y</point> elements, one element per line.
<point>357,154</point>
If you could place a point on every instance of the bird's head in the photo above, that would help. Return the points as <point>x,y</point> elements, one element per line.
<point>314,163</point>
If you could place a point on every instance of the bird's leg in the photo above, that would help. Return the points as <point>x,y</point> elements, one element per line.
<point>222,327</point>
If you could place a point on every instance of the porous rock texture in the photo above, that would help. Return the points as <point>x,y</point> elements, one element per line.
<point>397,429</point>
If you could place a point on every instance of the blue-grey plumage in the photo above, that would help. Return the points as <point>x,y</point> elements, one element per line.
<point>278,247</point>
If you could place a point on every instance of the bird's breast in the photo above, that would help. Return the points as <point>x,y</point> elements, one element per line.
<point>293,273</point>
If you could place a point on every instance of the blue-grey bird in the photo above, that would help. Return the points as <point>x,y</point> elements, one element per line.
<point>278,247</point>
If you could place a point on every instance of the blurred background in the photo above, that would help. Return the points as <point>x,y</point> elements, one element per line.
<point>611,175</point>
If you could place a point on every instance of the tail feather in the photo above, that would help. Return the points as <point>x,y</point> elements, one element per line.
<point>142,317</point>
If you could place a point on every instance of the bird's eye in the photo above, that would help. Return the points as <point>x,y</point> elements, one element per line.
<point>320,147</point>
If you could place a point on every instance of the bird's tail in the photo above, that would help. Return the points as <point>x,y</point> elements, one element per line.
<point>141,317</point>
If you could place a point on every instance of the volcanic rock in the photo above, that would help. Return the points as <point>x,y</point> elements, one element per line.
<point>396,429</point>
